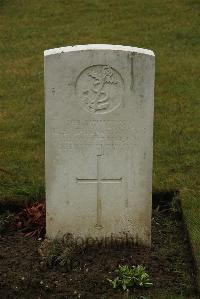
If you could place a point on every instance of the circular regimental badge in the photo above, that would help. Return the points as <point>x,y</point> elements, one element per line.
<point>99,89</point>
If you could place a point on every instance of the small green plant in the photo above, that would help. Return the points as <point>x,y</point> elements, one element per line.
<point>135,276</point>
<point>5,221</point>
<point>59,251</point>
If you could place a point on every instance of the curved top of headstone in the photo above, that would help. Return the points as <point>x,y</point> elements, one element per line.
<point>97,47</point>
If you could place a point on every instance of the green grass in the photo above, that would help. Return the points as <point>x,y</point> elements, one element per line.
<point>169,27</point>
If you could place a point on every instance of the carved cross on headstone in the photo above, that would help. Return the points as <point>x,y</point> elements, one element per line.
<point>99,180</point>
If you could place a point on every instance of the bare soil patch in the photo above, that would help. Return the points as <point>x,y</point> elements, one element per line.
<point>169,262</point>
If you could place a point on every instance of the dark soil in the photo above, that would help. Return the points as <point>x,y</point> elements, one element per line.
<point>23,273</point>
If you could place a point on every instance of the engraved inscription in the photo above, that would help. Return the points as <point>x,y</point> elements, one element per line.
<point>99,89</point>
<point>95,131</point>
<point>99,181</point>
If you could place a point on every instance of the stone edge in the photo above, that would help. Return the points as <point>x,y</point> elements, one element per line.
<point>69,49</point>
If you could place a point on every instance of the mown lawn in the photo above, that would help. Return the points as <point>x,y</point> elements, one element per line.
<point>170,28</point>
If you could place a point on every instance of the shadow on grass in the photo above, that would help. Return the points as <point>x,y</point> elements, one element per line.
<point>25,196</point>
<point>164,198</point>
<point>169,202</point>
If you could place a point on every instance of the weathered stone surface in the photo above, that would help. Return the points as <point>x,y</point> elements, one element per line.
<point>99,130</point>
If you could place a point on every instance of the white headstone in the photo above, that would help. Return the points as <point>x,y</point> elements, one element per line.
<point>99,130</point>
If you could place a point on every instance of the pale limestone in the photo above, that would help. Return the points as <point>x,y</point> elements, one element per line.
<point>99,103</point>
